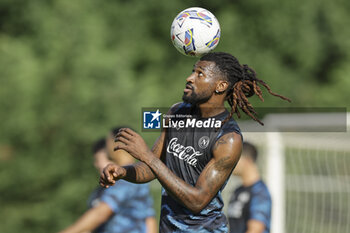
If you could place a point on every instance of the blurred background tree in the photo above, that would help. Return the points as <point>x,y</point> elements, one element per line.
<point>71,70</point>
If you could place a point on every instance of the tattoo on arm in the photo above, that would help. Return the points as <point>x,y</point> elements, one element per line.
<point>219,170</point>
<point>221,141</point>
<point>138,173</point>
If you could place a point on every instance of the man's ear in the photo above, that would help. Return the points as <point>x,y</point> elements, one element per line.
<point>221,87</point>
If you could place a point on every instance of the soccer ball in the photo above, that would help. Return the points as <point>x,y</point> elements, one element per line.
<point>195,31</point>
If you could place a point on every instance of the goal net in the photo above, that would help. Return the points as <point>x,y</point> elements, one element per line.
<point>308,172</point>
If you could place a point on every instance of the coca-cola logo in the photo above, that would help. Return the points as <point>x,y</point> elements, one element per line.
<point>185,153</point>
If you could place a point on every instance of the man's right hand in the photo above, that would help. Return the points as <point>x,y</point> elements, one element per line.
<point>111,173</point>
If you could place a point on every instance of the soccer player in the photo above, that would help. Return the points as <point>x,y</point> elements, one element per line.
<point>124,208</point>
<point>193,164</point>
<point>249,210</point>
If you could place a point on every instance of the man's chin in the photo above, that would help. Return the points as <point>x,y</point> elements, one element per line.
<point>186,98</point>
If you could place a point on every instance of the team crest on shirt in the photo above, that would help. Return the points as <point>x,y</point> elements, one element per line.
<point>203,142</point>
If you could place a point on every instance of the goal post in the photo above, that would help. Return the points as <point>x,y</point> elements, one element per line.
<point>275,171</point>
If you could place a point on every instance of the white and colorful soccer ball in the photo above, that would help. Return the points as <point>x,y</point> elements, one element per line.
<point>195,31</point>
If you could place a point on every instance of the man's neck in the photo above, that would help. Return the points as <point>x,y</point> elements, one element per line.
<point>250,176</point>
<point>209,109</point>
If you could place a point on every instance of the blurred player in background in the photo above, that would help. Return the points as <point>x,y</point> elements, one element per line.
<point>249,210</point>
<point>194,164</point>
<point>124,208</point>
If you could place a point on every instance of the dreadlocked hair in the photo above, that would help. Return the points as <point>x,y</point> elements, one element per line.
<point>243,84</point>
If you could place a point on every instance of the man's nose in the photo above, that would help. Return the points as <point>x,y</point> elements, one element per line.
<point>190,78</point>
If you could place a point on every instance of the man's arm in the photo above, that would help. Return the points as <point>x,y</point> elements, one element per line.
<point>255,226</point>
<point>91,219</point>
<point>140,172</point>
<point>226,153</point>
<point>136,173</point>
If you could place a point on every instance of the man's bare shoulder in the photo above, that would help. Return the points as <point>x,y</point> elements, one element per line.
<point>229,139</point>
<point>229,145</point>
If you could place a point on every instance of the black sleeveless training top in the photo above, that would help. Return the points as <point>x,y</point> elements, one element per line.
<point>188,151</point>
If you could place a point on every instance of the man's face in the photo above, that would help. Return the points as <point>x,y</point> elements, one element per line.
<point>200,85</point>
<point>240,166</point>
<point>110,144</point>
<point>101,159</point>
<point>119,157</point>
